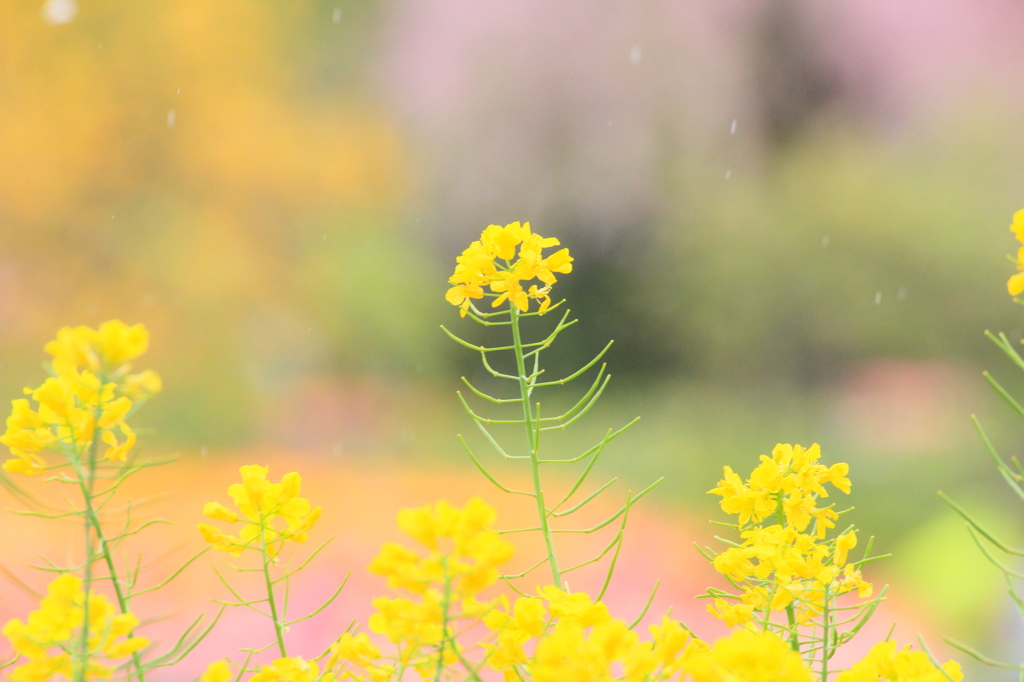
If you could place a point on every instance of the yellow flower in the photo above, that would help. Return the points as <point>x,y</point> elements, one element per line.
<point>501,242</point>
<point>570,653</point>
<point>1015,285</point>
<point>852,580</point>
<point>73,348</point>
<point>78,401</point>
<point>844,543</point>
<point>106,348</point>
<point>403,620</point>
<point>142,385</point>
<point>114,412</point>
<point>886,663</point>
<point>120,343</point>
<point>477,268</point>
<point>737,498</point>
<point>459,546</point>
<point>798,509</point>
<point>27,463</point>
<point>218,671</point>
<point>49,631</point>
<point>119,451</point>
<point>731,614</point>
<point>357,649</point>
<point>745,656</point>
<point>263,505</point>
<point>291,669</point>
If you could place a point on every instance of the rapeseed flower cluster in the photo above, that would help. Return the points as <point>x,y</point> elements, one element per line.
<point>488,263</point>
<point>1015,285</point>
<point>780,567</point>
<point>461,559</point>
<point>521,624</point>
<point>92,391</point>
<point>272,513</point>
<point>573,638</point>
<point>885,662</point>
<point>551,637</point>
<point>51,638</point>
<point>288,669</point>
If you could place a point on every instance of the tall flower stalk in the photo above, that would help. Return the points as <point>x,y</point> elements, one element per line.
<point>502,266</point>
<point>788,573</point>
<point>73,430</point>
<point>999,553</point>
<point>271,514</point>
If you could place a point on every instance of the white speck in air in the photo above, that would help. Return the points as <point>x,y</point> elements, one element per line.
<point>878,298</point>
<point>824,241</point>
<point>336,17</point>
<point>728,174</point>
<point>901,295</point>
<point>172,118</point>
<point>59,11</point>
<point>635,55</point>
<point>732,128</point>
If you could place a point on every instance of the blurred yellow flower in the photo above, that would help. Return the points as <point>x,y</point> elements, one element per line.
<point>844,543</point>
<point>291,669</point>
<point>46,637</point>
<point>460,549</point>
<point>263,505</point>
<point>745,656</point>
<point>1015,285</point>
<point>884,662</point>
<point>218,671</point>
<point>106,348</point>
<point>91,391</point>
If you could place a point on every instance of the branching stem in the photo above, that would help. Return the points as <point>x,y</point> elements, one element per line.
<point>525,388</point>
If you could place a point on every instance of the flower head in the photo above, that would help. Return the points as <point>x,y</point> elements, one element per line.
<point>885,662</point>
<point>786,565</point>
<point>491,263</point>
<point>1015,285</point>
<point>273,513</point>
<point>49,632</point>
<point>460,549</point>
<point>91,392</point>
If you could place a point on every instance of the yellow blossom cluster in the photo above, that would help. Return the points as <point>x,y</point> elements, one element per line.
<point>290,669</point>
<point>273,513</point>
<point>358,650</point>
<point>745,656</point>
<point>885,662</point>
<point>531,618</point>
<point>92,390</point>
<point>489,263</point>
<point>573,638</point>
<point>1015,285</point>
<point>461,551</point>
<point>51,638</point>
<point>779,566</point>
<point>462,558</point>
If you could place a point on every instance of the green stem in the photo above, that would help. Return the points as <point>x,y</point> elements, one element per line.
<point>86,485</point>
<point>794,639</point>
<point>824,641</point>
<point>92,521</point>
<point>531,438</point>
<point>445,635</point>
<point>270,589</point>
